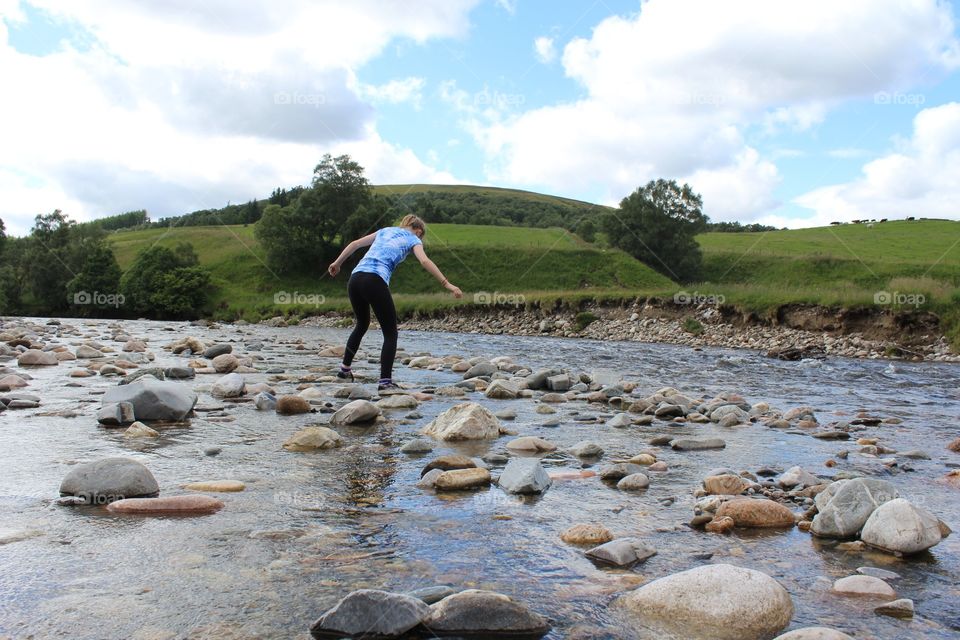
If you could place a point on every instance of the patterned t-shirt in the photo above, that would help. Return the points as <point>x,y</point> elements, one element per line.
<point>390,247</point>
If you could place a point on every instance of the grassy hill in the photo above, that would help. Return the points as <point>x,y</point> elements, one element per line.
<point>530,196</point>
<point>537,262</point>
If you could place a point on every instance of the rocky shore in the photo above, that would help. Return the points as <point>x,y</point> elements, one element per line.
<point>794,333</point>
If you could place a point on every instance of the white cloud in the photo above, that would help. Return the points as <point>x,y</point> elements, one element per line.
<point>396,91</point>
<point>510,6</point>
<point>667,96</point>
<point>920,178</point>
<point>176,107</point>
<point>544,49</point>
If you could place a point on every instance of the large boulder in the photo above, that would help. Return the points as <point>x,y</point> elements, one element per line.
<point>464,421</point>
<point>37,358</point>
<point>104,481</point>
<point>718,601</point>
<point>154,400</point>
<point>369,613</point>
<point>356,412</point>
<point>747,512</point>
<point>484,614</point>
<point>524,475</point>
<point>845,506</point>
<point>900,527</point>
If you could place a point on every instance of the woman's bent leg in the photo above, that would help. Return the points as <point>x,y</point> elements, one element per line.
<point>382,303</point>
<point>361,312</point>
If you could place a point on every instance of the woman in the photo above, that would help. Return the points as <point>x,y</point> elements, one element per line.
<point>369,286</point>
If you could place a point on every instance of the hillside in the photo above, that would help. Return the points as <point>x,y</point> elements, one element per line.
<point>476,258</point>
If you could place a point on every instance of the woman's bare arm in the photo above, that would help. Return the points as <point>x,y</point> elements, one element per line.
<point>348,250</point>
<point>433,270</point>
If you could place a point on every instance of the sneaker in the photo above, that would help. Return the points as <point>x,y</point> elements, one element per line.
<point>345,375</point>
<point>389,386</point>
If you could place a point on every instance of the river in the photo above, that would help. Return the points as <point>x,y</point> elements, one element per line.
<point>311,527</point>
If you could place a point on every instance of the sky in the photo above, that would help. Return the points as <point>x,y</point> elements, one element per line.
<point>793,114</point>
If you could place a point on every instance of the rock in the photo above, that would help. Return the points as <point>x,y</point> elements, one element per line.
<point>213,351</point>
<point>814,633</point>
<point>524,475</point>
<point>429,595</point>
<point>757,513</point>
<point>559,383</point>
<point>554,398</point>
<point>265,401</point>
<point>231,385</point>
<point>502,390</point>
<point>480,369</point>
<point>795,476</point>
<point>914,454</point>
<point>618,471</point>
<point>179,505</point>
<point>954,446</point>
<point>292,405</point>
<point>591,534</point>
<point>719,601</point>
<point>109,479</point>
<point>464,421</point>
<point>484,614</point>
<point>458,479</point>
<point>883,574</point>
<point>134,346</point>
<point>313,439</point>
<point>9,536</point>
<point>690,444</point>
<point>225,363</point>
<point>429,479</point>
<point>900,527</point>
<point>863,586</point>
<point>369,613</point>
<point>356,412</point>
<point>531,444</point>
<point>37,358</point>
<point>446,463</point>
<point>720,525</point>
<point>506,414</point>
<point>417,445</point>
<point>140,430</point>
<point>216,486</point>
<point>586,449</point>
<point>644,459</point>
<point>111,370</point>
<point>155,400</point>
<point>831,434</point>
<point>88,352</point>
<point>623,552</point>
<point>845,506</point>
<point>398,401</point>
<point>726,484</point>
<point>179,373</point>
<point>902,608</point>
<point>633,482</point>
<point>12,382</point>
<point>115,414</point>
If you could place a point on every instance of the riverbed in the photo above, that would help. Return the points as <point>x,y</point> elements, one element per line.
<point>311,527</point>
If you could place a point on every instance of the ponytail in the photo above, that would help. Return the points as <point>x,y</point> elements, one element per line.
<point>411,221</point>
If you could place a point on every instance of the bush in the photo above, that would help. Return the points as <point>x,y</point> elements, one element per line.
<point>692,326</point>
<point>165,284</point>
<point>583,320</point>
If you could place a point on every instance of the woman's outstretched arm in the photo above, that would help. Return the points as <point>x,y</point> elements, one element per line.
<point>433,270</point>
<point>348,250</point>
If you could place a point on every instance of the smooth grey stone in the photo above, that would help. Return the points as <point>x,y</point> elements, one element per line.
<point>155,400</point>
<point>418,445</point>
<point>110,479</point>
<point>371,613</point>
<point>431,595</point>
<point>691,444</point>
<point>619,470</point>
<point>844,506</point>
<point>217,350</point>
<point>484,614</point>
<point>180,373</point>
<point>524,475</point>
<point>116,414</point>
<point>265,401</point>
<point>480,369</point>
<point>622,552</point>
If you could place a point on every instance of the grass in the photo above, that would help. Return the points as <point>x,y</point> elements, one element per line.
<point>403,189</point>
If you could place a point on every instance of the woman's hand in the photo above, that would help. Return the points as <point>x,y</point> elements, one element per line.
<point>455,290</point>
<point>333,269</point>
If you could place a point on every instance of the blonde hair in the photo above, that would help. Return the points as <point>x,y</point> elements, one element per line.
<point>411,221</point>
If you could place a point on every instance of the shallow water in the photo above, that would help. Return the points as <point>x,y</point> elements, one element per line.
<point>309,528</point>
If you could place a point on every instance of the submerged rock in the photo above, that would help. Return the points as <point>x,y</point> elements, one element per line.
<point>370,613</point>
<point>691,444</point>
<point>484,614</point>
<point>313,439</point>
<point>592,534</point>
<point>814,633</point>
<point>198,504</point>
<point>623,552</point>
<point>860,585</point>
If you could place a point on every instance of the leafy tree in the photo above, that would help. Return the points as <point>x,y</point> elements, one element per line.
<point>587,230</point>
<point>47,261</point>
<point>656,224</point>
<point>164,283</point>
<point>311,231</point>
<point>3,237</point>
<point>93,291</point>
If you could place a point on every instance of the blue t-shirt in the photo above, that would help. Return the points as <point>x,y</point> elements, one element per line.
<point>390,247</point>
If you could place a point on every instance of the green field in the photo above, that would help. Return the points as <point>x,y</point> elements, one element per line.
<point>404,189</point>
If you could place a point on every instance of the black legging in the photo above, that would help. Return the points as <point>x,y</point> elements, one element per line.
<point>369,290</point>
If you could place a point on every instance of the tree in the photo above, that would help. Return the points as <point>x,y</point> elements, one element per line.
<point>587,230</point>
<point>94,290</point>
<point>312,230</point>
<point>47,261</point>
<point>656,224</point>
<point>3,237</point>
<point>163,283</point>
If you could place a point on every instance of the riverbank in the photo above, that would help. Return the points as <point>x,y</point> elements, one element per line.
<point>791,332</point>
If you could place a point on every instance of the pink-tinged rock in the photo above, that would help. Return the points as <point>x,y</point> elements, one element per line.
<point>12,382</point>
<point>170,505</point>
